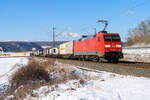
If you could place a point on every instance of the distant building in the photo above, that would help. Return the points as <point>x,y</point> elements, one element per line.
<point>1,49</point>
<point>33,51</point>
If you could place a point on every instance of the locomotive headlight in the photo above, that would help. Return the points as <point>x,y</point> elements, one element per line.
<point>107,46</point>
<point>118,45</point>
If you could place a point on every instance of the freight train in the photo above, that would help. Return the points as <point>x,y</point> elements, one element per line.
<point>89,47</point>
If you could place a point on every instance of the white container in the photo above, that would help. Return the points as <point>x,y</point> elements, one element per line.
<point>66,48</point>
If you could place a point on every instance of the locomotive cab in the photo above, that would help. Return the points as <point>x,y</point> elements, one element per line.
<point>112,47</point>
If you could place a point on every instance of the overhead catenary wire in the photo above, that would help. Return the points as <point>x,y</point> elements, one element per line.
<point>60,33</point>
<point>111,18</point>
<point>116,17</point>
<point>130,8</point>
<point>140,4</point>
<point>123,12</point>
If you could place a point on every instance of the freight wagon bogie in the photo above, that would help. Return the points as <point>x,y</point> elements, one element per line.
<point>88,58</point>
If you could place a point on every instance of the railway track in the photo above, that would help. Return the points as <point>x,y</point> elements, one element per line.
<point>123,67</point>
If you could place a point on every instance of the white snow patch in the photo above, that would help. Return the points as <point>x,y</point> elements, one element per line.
<point>106,86</point>
<point>8,66</point>
<point>137,54</point>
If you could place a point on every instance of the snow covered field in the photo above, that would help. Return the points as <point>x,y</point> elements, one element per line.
<point>106,86</point>
<point>98,85</point>
<point>8,66</point>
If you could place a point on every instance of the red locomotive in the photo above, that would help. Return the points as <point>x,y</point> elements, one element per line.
<point>102,45</point>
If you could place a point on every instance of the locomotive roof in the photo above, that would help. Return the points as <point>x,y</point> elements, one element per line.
<point>87,37</point>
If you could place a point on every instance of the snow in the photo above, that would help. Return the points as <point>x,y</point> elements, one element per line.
<point>137,54</point>
<point>7,63</point>
<point>8,66</point>
<point>99,86</point>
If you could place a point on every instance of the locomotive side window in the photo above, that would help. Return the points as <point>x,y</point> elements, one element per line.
<point>98,39</point>
<point>116,38</point>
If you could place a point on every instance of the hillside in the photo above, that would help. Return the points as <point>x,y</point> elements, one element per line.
<point>15,46</point>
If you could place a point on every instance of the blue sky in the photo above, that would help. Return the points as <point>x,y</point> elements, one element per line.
<point>33,19</point>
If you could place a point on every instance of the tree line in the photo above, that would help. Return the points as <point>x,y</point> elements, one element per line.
<point>140,34</point>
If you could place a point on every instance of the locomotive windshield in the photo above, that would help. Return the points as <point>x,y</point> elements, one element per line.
<point>107,37</point>
<point>114,38</point>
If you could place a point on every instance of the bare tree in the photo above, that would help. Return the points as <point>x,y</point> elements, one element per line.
<point>140,34</point>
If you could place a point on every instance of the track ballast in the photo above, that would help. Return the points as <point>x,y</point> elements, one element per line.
<point>123,67</point>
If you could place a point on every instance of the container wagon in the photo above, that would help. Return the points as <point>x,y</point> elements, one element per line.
<point>67,49</point>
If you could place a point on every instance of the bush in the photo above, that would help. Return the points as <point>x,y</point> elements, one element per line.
<point>31,72</point>
<point>37,73</point>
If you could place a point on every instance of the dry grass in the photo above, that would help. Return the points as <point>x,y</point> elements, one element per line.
<point>31,72</point>
<point>39,73</point>
<point>29,77</point>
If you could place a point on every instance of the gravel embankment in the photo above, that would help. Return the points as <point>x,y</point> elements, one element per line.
<point>135,69</point>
